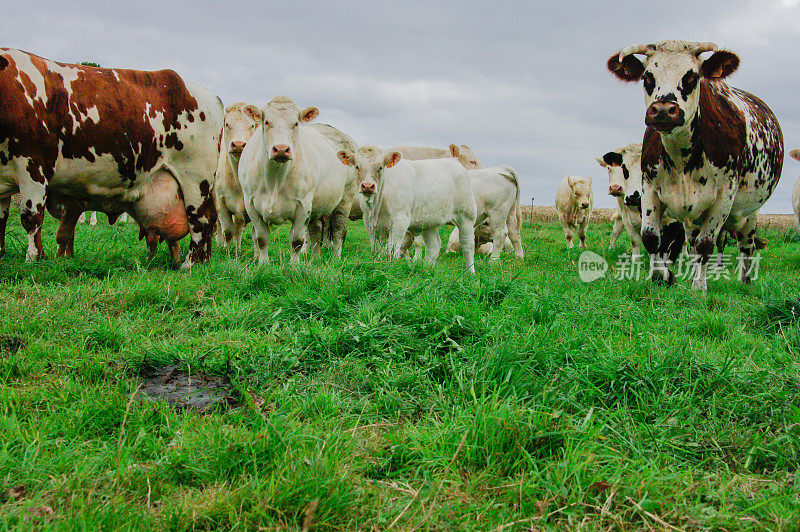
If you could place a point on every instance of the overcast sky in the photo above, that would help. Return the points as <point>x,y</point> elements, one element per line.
<point>524,83</point>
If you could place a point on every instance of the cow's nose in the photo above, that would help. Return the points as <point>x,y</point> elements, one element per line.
<point>584,205</point>
<point>367,188</point>
<point>281,150</point>
<point>238,145</point>
<point>663,115</point>
<point>615,190</point>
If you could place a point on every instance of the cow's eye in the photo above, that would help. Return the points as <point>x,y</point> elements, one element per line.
<point>266,123</point>
<point>296,124</point>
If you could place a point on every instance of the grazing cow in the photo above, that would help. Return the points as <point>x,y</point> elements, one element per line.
<point>418,197</point>
<point>624,167</point>
<point>796,192</point>
<point>574,203</point>
<point>107,136</point>
<point>289,172</point>
<point>712,154</point>
<point>496,192</point>
<point>241,121</point>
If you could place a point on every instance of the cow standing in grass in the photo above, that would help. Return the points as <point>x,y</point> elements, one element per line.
<point>712,154</point>
<point>109,139</point>
<point>289,172</point>
<point>416,197</point>
<point>574,203</point>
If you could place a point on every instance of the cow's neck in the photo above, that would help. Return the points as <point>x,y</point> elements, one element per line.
<point>277,172</point>
<point>233,163</point>
<point>677,145</point>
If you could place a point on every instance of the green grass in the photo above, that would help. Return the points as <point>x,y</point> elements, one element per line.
<point>378,394</point>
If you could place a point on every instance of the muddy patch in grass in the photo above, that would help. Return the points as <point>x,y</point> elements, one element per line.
<point>183,389</point>
<point>9,345</point>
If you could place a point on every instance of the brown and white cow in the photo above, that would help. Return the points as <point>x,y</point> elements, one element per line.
<point>712,154</point>
<point>112,138</point>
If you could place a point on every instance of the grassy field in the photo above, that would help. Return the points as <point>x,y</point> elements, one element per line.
<point>376,395</point>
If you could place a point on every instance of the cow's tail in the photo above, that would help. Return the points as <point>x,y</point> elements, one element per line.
<point>515,216</point>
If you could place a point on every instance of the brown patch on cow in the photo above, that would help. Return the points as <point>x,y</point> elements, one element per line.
<point>35,131</point>
<point>171,141</point>
<point>201,251</point>
<point>32,218</point>
<point>652,148</point>
<point>202,116</point>
<point>722,127</point>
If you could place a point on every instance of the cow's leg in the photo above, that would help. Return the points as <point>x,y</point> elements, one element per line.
<point>5,209</point>
<point>514,223</point>
<point>619,226</point>
<point>652,210</point>
<point>338,228</point>
<point>466,236</point>
<point>124,218</point>
<point>397,235</point>
<point>82,218</point>
<point>702,241</point>
<point>202,216</point>
<point>299,231</point>
<point>568,233</point>
<point>227,227</point>
<point>419,245</point>
<point>582,231</point>
<point>433,245</point>
<point>261,235</point>
<point>93,218</point>
<point>722,239</point>
<point>238,230</point>
<point>316,236</point>
<point>65,235</point>
<point>174,251</point>
<point>32,204</point>
<point>746,236</point>
<point>499,233</point>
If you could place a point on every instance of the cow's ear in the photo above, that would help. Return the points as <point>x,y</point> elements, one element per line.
<point>795,154</point>
<point>720,65</point>
<point>392,159</point>
<point>629,69</point>
<point>572,180</point>
<point>613,158</point>
<point>346,157</point>
<point>601,162</point>
<point>453,150</point>
<point>589,180</point>
<point>254,112</point>
<point>308,114</point>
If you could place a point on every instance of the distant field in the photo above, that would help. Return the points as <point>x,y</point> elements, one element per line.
<point>367,394</point>
<point>538,214</point>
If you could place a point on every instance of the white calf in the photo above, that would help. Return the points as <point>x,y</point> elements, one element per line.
<point>574,200</point>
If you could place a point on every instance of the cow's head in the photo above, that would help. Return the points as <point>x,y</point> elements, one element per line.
<point>795,154</point>
<point>281,124</point>
<point>582,190</point>
<point>241,121</point>
<point>671,74</point>
<point>624,172</point>
<point>465,156</point>
<point>369,162</point>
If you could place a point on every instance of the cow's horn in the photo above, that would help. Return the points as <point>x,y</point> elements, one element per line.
<point>635,49</point>
<point>704,47</point>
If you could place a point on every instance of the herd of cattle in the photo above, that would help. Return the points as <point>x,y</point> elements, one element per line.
<point>77,138</point>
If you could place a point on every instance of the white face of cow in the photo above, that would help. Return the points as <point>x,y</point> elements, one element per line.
<point>241,122</point>
<point>671,75</point>
<point>624,173</point>
<point>281,122</point>
<point>582,190</point>
<point>465,156</point>
<point>369,162</point>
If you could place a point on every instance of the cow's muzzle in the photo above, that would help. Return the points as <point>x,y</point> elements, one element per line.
<point>664,116</point>
<point>615,190</point>
<point>281,153</point>
<point>367,189</point>
<point>236,147</point>
<point>584,206</point>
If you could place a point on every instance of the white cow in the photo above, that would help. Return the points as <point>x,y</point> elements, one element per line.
<point>496,192</point>
<point>289,172</point>
<point>241,121</point>
<point>574,200</point>
<point>796,192</point>
<point>419,197</point>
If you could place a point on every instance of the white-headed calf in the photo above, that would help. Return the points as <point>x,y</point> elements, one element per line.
<point>419,197</point>
<point>290,173</point>
<point>574,201</point>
